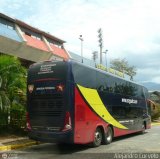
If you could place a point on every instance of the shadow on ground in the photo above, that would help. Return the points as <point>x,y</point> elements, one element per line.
<point>52,148</point>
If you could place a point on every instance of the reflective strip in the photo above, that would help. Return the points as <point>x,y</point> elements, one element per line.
<point>95,102</point>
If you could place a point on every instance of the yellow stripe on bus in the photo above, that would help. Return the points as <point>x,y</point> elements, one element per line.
<point>94,100</point>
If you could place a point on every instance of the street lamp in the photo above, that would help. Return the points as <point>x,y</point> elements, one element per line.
<point>105,52</point>
<point>100,40</point>
<point>80,37</point>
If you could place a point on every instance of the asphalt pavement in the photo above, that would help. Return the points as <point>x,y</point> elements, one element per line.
<point>133,146</point>
<point>14,142</point>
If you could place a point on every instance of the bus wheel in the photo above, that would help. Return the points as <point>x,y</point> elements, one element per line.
<point>97,138</point>
<point>108,136</point>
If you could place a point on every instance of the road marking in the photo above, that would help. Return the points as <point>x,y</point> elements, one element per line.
<point>153,124</point>
<point>12,147</point>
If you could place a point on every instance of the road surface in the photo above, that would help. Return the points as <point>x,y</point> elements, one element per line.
<point>131,146</point>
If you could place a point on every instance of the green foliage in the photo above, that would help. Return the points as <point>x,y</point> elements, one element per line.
<point>123,66</point>
<point>4,118</point>
<point>17,114</point>
<point>12,85</point>
<point>156,114</point>
<point>155,97</point>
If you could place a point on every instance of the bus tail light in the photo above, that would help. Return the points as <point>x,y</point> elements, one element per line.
<point>28,122</point>
<point>60,88</point>
<point>67,122</point>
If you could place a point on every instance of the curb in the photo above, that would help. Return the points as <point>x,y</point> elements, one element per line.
<point>13,147</point>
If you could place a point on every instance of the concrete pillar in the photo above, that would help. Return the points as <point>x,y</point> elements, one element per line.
<point>20,33</point>
<point>47,43</point>
<point>69,56</point>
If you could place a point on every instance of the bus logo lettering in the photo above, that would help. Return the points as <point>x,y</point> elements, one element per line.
<point>46,69</point>
<point>45,88</point>
<point>129,101</point>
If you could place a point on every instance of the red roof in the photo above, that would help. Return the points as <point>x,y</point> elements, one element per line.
<point>36,43</point>
<point>42,46</point>
<point>60,52</point>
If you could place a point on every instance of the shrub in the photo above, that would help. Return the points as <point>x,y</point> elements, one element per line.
<point>156,114</point>
<point>17,116</point>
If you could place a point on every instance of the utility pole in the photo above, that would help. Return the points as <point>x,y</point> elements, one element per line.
<point>94,56</point>
<point>106,56</point>
<point>100,43</point>
<point>80,37</point>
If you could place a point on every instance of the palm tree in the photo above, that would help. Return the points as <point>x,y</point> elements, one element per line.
<point>12,81</point>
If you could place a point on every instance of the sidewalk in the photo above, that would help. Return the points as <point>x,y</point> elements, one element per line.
<point>156,122</point>
<point>14,142</point>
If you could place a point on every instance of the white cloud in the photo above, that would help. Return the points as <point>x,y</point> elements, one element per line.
<point>131,29</point>
<point>156,80</point>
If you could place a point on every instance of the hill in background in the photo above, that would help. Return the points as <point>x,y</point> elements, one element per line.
<point>151,86</point>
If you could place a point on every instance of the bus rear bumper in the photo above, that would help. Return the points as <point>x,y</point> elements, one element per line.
<point>52,137</point>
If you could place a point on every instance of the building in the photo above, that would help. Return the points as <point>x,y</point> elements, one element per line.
<point>29,43</point>
<point>78,58</point>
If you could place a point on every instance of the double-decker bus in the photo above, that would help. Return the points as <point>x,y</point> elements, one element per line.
<point>69,102</point>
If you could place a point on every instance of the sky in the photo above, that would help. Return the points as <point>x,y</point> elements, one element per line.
<point>131,28</point>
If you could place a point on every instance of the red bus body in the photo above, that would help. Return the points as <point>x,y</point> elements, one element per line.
<point>71,108</point>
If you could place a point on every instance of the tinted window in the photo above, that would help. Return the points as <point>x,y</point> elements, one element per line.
<point>104,82</point>
<point>84,75</point>
<point>111,84</point>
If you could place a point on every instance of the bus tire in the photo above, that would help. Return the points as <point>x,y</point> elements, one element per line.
<point>108,136</point>
<point>97,137</point>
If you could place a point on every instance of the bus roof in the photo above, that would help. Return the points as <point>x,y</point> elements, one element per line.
<point>90,67</point>
<point>105,72</point>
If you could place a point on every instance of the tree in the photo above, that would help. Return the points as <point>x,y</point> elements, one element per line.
<point>12,83</point>
<point>155,104</point>
<point>123,66</point>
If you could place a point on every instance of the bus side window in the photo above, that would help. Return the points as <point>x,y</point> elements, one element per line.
<point>90,76</point>
<point>101,81</point>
